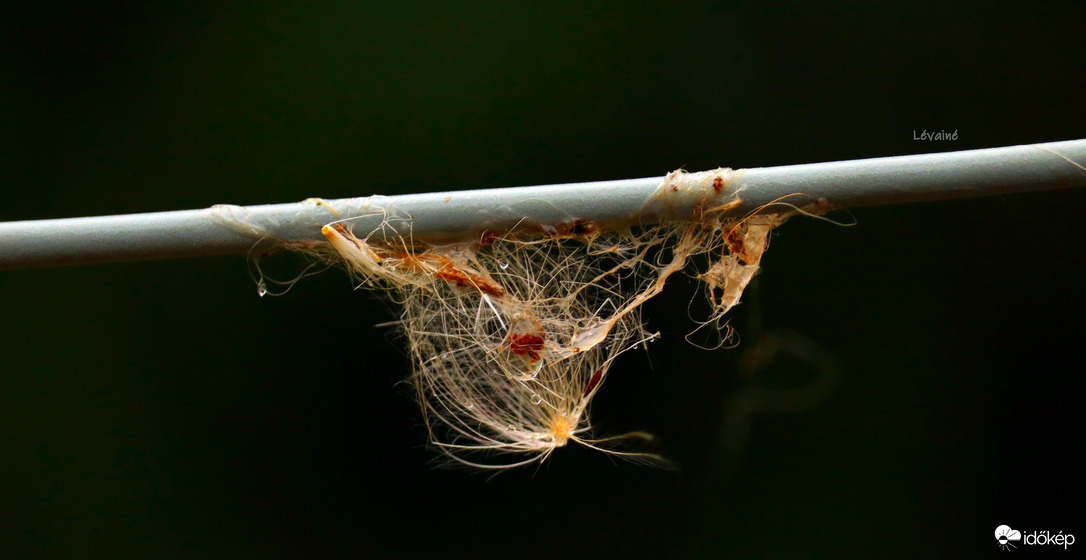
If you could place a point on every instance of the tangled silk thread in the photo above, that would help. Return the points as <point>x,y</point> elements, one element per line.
<point>512,335</point>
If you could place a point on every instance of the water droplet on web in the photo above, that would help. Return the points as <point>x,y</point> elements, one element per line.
<point>261,289</point>
<point>536,399</point>
<point>504,265</point>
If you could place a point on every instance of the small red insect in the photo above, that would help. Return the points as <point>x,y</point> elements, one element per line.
<point>488,238</point>
<point>526,344</point>
<point>592,382</point>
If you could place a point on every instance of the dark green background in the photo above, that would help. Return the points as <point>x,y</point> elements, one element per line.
<point>162,409</point>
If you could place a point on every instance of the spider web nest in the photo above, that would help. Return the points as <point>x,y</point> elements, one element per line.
<point>511,336</point>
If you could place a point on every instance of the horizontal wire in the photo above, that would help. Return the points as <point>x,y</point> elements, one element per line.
<point>460,215</point>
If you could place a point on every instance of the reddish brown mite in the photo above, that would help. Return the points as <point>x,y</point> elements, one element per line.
<point>342,229</point>
<point>526,344</point>
<point>718,184</point>
<point>488,238</point>
<point>447,271</point>
<point>698,211</point>
<point>444,268</point>
<point>736,245</point>
<point>592,382</point>
<point>426,263</point>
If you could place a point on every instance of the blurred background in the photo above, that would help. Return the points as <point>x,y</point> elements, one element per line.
<point>163,409</point>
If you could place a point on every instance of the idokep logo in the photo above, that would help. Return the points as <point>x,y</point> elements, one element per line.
<point>1007,537</point>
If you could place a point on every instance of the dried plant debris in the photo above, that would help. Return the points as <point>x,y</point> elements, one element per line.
<point>512,335</point>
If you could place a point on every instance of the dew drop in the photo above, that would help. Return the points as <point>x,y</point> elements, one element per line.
<point>536,399</point>
<point>261,289</point>
<point>504,265</point>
